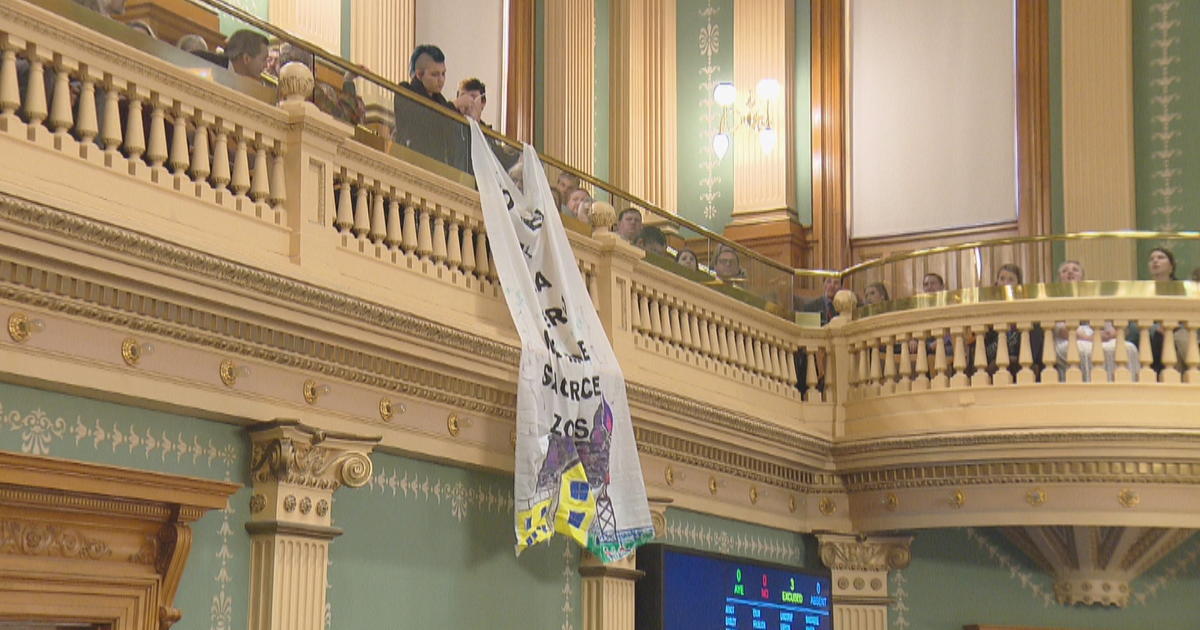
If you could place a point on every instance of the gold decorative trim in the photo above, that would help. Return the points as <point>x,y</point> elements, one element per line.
<point>791,503</point>
<point>131,351</point>
<point>842,552</point>
<point>227,371</point>
<point>1036,497</point>
<point>388,409</point>
<point>318,460</point>
<point>20,327</point>
<point>753,495</point>
<point>669,475</point>
<point>1128,498</point>
<point>890,502</point>
<point>958,498</point>
<point>310,392</point>
<point>827,506</point>
<point>453,425</point>
<point>712,486</point>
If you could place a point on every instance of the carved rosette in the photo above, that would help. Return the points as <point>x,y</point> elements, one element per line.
<point>40,539</point>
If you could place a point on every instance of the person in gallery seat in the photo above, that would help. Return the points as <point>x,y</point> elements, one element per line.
<point>245,53</point>
<point>629,224</point>
<point>420,128</point>
<point>687,258</point>
<point>932,283</point>
<point>824,304</point>
<point>875,293</point>
<point>1071,271</point>
<point>652,240</point>
<point>1160,264</point>
<point>1009,275</point>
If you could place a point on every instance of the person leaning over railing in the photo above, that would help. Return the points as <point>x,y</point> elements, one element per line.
<point>1071,271</point>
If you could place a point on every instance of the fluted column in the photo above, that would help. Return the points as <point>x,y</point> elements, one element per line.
<point>318,21</point>
<point>569,118</point>
<point>643,127</point>
<point>1097,132</point>
<point>295,470</point>
<point>608,602</point>
<point>383,34</point>
<point>763,49</point>
<point>860,567</point>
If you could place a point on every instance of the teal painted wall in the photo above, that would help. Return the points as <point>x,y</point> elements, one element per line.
<point>969,576</point>
<point>734,538</point>
<point>213,593</point>
<point>802,123</point>
<point>257,8</point>
<point>1166,122</point>
<point>704,57</point>
<point>431,546</point>
<point>603,76</point>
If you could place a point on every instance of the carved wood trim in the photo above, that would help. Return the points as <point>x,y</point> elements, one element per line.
<point>829,134</point>
<point>1033,124</point>
<point>87,542</point>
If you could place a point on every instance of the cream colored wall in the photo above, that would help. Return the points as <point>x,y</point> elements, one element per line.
<point>471,33</point>
<point>932,115</point>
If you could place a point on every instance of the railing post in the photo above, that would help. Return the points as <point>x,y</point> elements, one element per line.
<point>312,142</point>
<point>614,275</point>
<point>837,371</point>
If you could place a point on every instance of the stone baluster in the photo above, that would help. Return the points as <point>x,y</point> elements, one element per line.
<point>1191,359</point>
<point>35,88</point>
<point>87,126</point>
<point>179,160</point>
<point>655,321</point>
<point>408,232</point>
<point>10,89</point>
<point>260,175</point>
<point>1170,357</point>
<point>862,361</point>
<point>156,140</point>
<point>1024,357</point>
<point>810,376</point>
<point>635,312</point>
<point>1145,354</point>
<point>889,364</point>
<point>921,380</point>
<point>60,119</point>
<point>875,384</point>
<point>1124,371</point>
<point>362,211</point>
<point>135,132</point>
<point>737,351</point>
<point>905,376</point>
<point>200,167</point>
<point>705,339</point>
<point>721,343</point>
<point>468,248</point>
<point>1003,359</point>
<point>344,217</point>
<point>110,128</point>
<point>424,234</point>
<point>939,381</point>
<point>687,328</point>
<point>394,232</point>
<point>1049,356</point>
<point>378,216</point>
<point>454,244</point>
<point>439,235</point>
<point>277,196</point>
<point>676,328</point>
<point>1074,370</point>
<point>979,377</point>
<point>959,378</point>
<point>220,165</point>
<point>491,273</point>
<point>1098,371</point>
<point>239,181</point>
<point>482,261</point>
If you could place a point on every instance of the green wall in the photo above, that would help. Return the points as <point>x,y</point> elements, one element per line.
<point>213,593</point>
<point>735,538</point>
<point>431,546</point>
<point>704,58</point>
<point>974,576</point>
<point>1166,123</point>
<point>802,124</point>
<point>257,8</point>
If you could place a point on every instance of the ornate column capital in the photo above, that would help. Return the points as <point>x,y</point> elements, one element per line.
<point>286,451</point>
<point>843,552</point>
<point>658,514</point>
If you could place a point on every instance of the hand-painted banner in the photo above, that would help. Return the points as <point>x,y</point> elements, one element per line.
<point>577,468</point>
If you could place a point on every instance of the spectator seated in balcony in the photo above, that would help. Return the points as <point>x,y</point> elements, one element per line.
<point>629,224</point>
<point>1161,266</point>
<point>824,304</point>
<point>563,184</point>
<point>687,258</point>
<point>728,266</point>
<point>932,283</point>
<point>875,293</point>
<point>192,43</point>
<point>1009,275</point>
<point>245,53</point>
<point>1072,271</point>
<point>652,240</point>
<point>576,200</point>
<point>471,99</point>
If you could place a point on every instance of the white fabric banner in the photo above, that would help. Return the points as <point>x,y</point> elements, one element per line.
<point>577,468</point>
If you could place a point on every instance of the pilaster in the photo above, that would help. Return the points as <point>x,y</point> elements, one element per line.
<point>764,182</point>
<point>643,128</point>
<point>383,35</point>
<point>318,21</point>
<point>569,115</point>
<point>311,146</point>
<point>1097,133</point>
<point>860,567</point>
<point>608,602</point>
<point>295,470</point>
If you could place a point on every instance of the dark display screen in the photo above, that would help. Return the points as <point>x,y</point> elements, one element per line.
<point>690,590</point>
